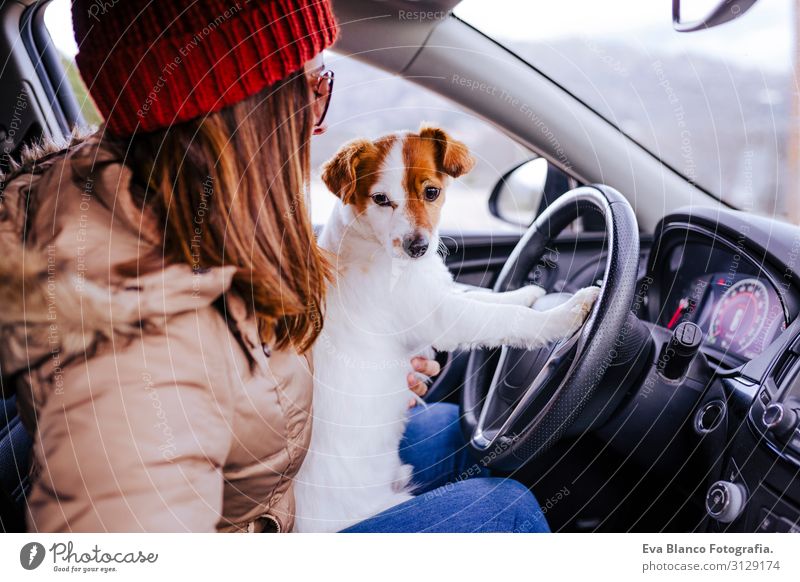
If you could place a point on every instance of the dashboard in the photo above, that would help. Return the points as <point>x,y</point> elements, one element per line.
<point>724,280</point>
<point>735,275</point>
<point>707,435</point>
<point>731,298</point>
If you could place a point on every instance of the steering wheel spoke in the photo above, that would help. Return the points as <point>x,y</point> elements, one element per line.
<point>557,357</point>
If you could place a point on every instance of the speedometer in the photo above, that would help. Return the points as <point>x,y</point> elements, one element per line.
<point>739,316</point>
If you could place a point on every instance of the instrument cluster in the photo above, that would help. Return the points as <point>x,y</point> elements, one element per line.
<point>735,303</point>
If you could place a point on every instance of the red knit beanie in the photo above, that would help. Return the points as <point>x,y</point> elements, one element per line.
<point>153,63</point>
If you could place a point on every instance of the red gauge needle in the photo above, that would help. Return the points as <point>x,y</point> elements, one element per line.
<point>682,305</point>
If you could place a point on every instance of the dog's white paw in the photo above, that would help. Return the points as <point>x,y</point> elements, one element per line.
<point>530,294</point>
<point>569,317</point>
<point>578,307</point>
<point>403,479</point>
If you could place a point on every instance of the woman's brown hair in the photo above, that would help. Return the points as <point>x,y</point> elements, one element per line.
<point>230,190</point>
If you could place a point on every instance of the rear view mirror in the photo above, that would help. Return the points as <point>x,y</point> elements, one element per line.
<point>690,15</point>
<point>516,198</point>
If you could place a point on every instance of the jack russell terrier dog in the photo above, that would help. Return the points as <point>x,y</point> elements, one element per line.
<point>393,298</point>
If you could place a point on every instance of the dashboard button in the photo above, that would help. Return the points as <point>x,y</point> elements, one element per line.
<point>717,500</point>
<point>779,419</point>
<point>725,501</point>
<point>709,416</point>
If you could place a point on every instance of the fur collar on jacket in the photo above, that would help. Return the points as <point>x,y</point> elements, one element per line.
<point>67,221</point>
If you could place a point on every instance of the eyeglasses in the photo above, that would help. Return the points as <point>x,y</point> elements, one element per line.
<point>321,82</point>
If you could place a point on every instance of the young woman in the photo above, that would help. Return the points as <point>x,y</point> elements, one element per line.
<point>162,287</point>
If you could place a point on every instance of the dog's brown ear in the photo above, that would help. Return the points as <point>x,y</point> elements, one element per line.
<point>452,156</point>
<point>340,173</point>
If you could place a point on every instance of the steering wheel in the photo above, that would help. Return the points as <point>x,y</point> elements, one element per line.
<point>517,403</point>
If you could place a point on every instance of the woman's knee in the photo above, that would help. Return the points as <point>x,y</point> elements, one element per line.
<point>483,505</point>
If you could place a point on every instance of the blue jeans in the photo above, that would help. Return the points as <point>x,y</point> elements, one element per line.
<point>453,491</point>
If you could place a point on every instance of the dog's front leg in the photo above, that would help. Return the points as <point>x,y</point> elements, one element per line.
<point>464,322</point>
<point>526,296</point>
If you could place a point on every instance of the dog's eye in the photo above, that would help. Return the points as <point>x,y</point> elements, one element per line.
<point>381,199</point>
<point>431,193</point>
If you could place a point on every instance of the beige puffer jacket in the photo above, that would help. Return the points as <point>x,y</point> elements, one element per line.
<point>153,403</point>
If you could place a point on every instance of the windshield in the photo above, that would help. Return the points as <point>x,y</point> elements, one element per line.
<point>715,105</point>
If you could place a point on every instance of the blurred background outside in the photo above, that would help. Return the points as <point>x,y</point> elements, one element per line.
<point>718,106</point>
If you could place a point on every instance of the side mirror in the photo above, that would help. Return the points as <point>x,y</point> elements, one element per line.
<point>690,15</point>
<point>516,198</point>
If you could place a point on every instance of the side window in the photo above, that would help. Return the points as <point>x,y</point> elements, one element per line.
<point>368,102</point>
<point>58,20</point>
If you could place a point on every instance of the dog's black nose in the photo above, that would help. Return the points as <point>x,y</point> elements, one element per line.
<point>415,246</point>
